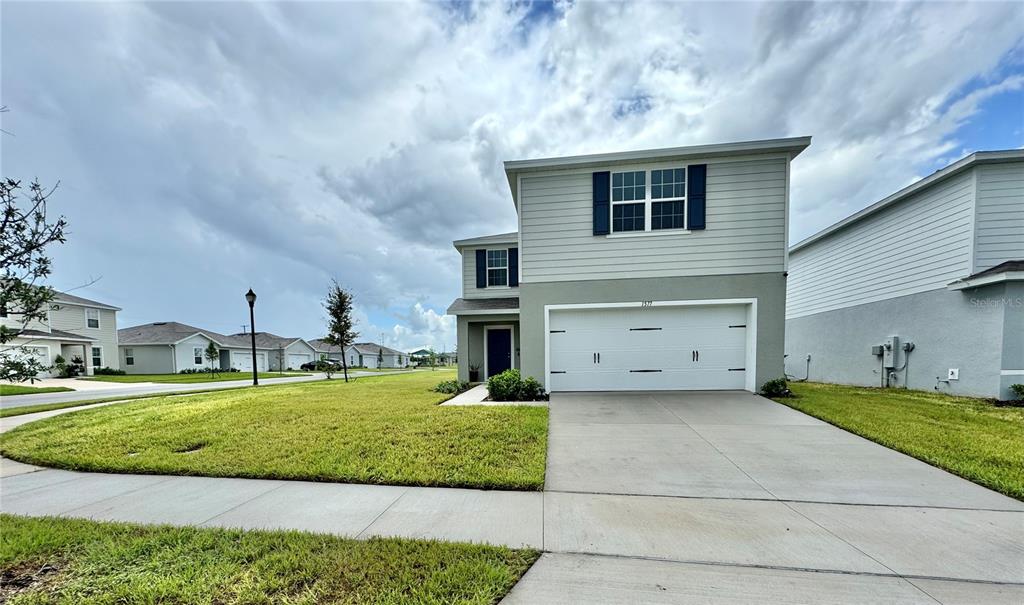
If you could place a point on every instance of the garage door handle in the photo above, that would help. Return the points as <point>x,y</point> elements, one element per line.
<point>598,358</point>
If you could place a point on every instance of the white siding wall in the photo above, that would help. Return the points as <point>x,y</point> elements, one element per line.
<point>469,289</point>
<point>71,318</point>
<point>183,354</point>
<point>921,243</point>
<point>746,227</point>
<point>999,224</point>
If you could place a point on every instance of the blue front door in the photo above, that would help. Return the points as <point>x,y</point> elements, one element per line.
<point>499,350</point>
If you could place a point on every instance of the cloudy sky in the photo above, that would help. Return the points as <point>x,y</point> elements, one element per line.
<point>203,148</point>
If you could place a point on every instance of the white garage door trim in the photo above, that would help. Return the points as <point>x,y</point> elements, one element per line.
<point>751,305</point>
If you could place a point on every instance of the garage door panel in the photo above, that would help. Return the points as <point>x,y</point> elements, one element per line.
<point>648,348</point>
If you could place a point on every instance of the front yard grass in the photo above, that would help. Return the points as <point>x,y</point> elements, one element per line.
<point>8,390</point>
<point>384,430</point>
<point>53,560</point>
<point>966,436</point>
<point>191,378</point>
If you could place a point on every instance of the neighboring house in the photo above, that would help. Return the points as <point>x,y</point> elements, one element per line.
<point>168,347</point>
<point>324,350</point>
<point>423,356</point>
<point>369,355</point>
<point>641,270</point>
<point>74,327</point>
<point>939,264</point>
<point>284,353</point>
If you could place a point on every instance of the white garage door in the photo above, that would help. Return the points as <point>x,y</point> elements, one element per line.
<point>41,355</point>
<point>297,359</point>
<point>243,361</point>
<point>648,348</point>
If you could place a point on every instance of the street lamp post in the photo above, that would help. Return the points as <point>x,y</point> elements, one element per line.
<point>250,297</point>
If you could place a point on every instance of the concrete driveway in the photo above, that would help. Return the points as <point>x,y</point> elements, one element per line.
<point>727,497</point>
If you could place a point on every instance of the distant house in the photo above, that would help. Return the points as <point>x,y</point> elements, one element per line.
<point>74,328</point>
<point>922,289</point>
<point>422,356</point>
<point>324,350</point>
<point>168,347</point>
<point>371,355</point>
<point>285,353</point>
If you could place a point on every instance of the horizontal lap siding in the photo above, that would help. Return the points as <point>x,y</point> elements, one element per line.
<point>469,289</point>
<point>922,243</point>
<point>746,226</point>
<point>999,224</point>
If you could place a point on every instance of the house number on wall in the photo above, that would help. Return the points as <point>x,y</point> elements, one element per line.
<point>646,303</point>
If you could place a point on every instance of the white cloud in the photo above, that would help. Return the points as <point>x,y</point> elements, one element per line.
<point>206,148</point>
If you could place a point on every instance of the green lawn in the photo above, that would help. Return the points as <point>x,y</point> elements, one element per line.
<point>7,390</point>
<point>190,378</point>
<point>968,437</point>
<point>376,429</point>
<point>73,561</point>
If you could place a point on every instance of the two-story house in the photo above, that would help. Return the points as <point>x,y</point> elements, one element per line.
<point>640,270</point>
<point>923,289</point>
<point>74,328</point>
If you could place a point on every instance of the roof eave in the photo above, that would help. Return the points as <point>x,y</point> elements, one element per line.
<point>978,157</point>
<point>985,280</point>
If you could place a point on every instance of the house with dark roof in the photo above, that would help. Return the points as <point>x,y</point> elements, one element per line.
<point>372,355</point>
<point>923,289</point>
<point>168,347</point>
<point>78,329</point>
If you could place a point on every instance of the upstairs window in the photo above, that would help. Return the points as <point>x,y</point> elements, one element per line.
<point>497,268</point>
<point>662,197</point>
<point>92,318</point>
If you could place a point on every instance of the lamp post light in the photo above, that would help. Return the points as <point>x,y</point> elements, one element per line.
<point>250,297</point>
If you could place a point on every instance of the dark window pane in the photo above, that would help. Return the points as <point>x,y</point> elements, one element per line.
<point>641,178</point>
<point>667,215</point>
<point>655,177</point>
<point>628,217</point>
<point>680,190</point>
<point>617,179</point>
<point>627,179</point>
<point>616,195</point>
<point>655,191</point>
<point>680,175</point>
<point>628,194</point>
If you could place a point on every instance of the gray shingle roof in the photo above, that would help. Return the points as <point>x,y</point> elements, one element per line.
<point>54,334</point>
<point>322,347</point>
<point>170,332</point>
<point>71,298</point>
<point>496,305</point>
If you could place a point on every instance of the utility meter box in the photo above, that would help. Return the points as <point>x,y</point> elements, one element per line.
<point>890,352</point>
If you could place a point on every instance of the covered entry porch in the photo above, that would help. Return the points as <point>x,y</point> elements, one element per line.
<point>488,337</point>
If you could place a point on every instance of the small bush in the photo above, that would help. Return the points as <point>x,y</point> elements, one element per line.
<point>511,386</point>
<point>1018,391</point>
<point>775,388</point>
<point>452,387</point>
<point>108,372</point>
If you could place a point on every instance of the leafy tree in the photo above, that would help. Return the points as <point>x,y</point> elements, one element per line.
<point>212,355</point>
<point>380,357</point>
<point>340,326</point>
<point>432,356</point>
<point>25,234</point>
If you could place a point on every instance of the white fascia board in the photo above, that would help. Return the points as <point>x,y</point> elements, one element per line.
<point>489,312</point>
<point>977,282</point>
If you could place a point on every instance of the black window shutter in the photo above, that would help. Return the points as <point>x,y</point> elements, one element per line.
<point>602,197</point>
<point>481,268</point>
<point>696,199</point>
<point>513,267</point>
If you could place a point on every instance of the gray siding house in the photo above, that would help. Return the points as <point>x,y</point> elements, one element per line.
<point>168,347</point>
<point>923,289</point>
<point>642,270</point>
<point>74,328</point>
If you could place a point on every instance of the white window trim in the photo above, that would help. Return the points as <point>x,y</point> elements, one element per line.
<point>129,353</point>
<point>200,356</point>
<point>488,267</point>
<point>92,357</point>
<point>648,204</point>
<point>99,321</point>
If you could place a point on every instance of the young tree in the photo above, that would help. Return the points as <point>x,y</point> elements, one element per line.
<point>340,327</point>
<point>326,366</point>
<point>380,357</point>
<point>213,356</point>
<point>25,234</point>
